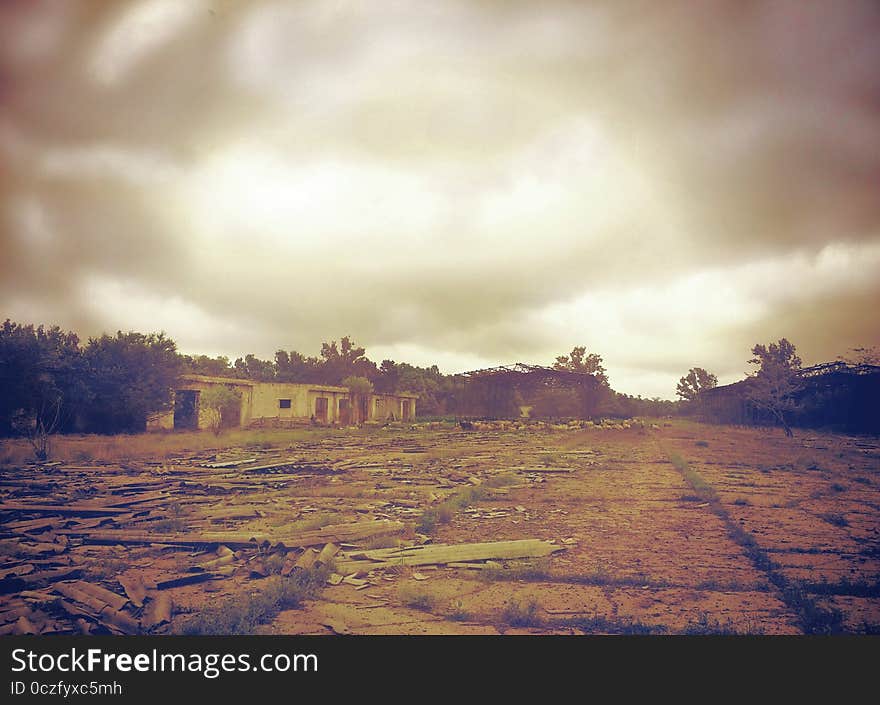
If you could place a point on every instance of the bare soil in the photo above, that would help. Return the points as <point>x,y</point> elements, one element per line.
<point>775,535</point>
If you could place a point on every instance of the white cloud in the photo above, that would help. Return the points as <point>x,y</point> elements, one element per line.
<point>138,32</point>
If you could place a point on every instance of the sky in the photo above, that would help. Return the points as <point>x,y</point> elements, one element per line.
<point>464,184</point>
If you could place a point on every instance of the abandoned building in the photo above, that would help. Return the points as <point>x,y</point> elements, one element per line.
<point>835,396</point>
<point>281,404</point>
<point>506,391</point>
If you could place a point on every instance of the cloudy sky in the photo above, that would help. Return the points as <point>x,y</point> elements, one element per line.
<point>462,183</point>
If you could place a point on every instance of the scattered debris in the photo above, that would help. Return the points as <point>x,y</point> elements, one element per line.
<point>442,554</point>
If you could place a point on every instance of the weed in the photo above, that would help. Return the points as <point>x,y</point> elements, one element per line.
<point>318,520</point>
<point>838,487</point>
<point>443,513</point>
<point>702,488</point>
<point>106,569</point>
<point>169,525</point>
<point>336,490</point>
<point>603,625</point>
<point>517,614</point>
<point>417,598</point>
<point>808,463</point>
<point>854,588</point>
<point>706,625</point>
<point>427,523</point>
<point>274,562</point>
<point>742,502</point>
<point>243,615</point>
<point>459,613</point>
<point>835,519</point>
<point>380,541</point>
<point>534,570</point>
<point>702,444</point>
<point>812,618</point>
<point>503,479</point>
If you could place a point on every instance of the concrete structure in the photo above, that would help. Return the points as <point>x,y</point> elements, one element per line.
<point>280,404</point>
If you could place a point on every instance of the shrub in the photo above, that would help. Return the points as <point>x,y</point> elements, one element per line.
<point>517,614</point>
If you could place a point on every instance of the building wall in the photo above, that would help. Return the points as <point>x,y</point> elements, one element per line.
<point>161,422</point>
<point>385,407</point>
<point>261,400</point>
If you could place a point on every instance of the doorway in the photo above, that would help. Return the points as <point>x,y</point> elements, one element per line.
<point>186,409</point>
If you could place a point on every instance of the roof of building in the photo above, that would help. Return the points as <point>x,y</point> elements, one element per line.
<point>838,367</point>
<point>239,382</point>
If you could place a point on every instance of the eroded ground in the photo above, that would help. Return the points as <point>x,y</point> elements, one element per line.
<point>669,527</point>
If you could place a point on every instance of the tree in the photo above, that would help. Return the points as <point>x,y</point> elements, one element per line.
<point>344,360</point>
<point>211,366</point>
<point>695,381</point>
<point>579,361</point>
<point>130,377</point>
<point>389,376</point>
<point>251,367</point>
<point>776,382</point>
<point>42,382</point>
<point>222,404</point>
<point>358,388</point>
<point>295,367</point>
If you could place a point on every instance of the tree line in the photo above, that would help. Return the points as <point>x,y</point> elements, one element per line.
<point>50,381</point>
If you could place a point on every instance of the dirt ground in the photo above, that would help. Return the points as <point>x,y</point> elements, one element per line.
<point>662,527</point>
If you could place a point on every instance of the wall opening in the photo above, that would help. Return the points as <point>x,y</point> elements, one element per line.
<point>186,409</point>
<point>284,403</point>
<point>405,410</point>
<point>321,409</point>
<point>344,412</point>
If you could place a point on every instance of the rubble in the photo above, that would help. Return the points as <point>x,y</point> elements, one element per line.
<point>113,547</point>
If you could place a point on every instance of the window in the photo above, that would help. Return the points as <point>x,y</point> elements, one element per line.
<point>284,403</point>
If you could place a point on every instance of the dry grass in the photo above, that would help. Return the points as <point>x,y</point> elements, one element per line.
<point>243,615</point>
<point>152,446</point>
<point>310,522</point>
<point>417,598</point>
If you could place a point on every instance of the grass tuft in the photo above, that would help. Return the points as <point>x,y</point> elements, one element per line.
<point>243,615</point>
<point>519,614</point>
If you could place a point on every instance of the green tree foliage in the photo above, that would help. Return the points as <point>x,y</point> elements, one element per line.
<point>222,404</point>
<point>695,381</point>
<point>388,381</point>
<point>211,366</point>
<point>358,385</point>
<point>251,367</point>
<point>345,360</point>
<point>437,392</point>
<point>776,382</point>
<point>130,376</point>
<point>42,380</point>
<point>295,367</point>
<point>579,361</point>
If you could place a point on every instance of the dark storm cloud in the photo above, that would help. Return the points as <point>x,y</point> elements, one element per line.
<point>463,182</point>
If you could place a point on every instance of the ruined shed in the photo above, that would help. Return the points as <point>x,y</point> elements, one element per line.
<point>282,404</point>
